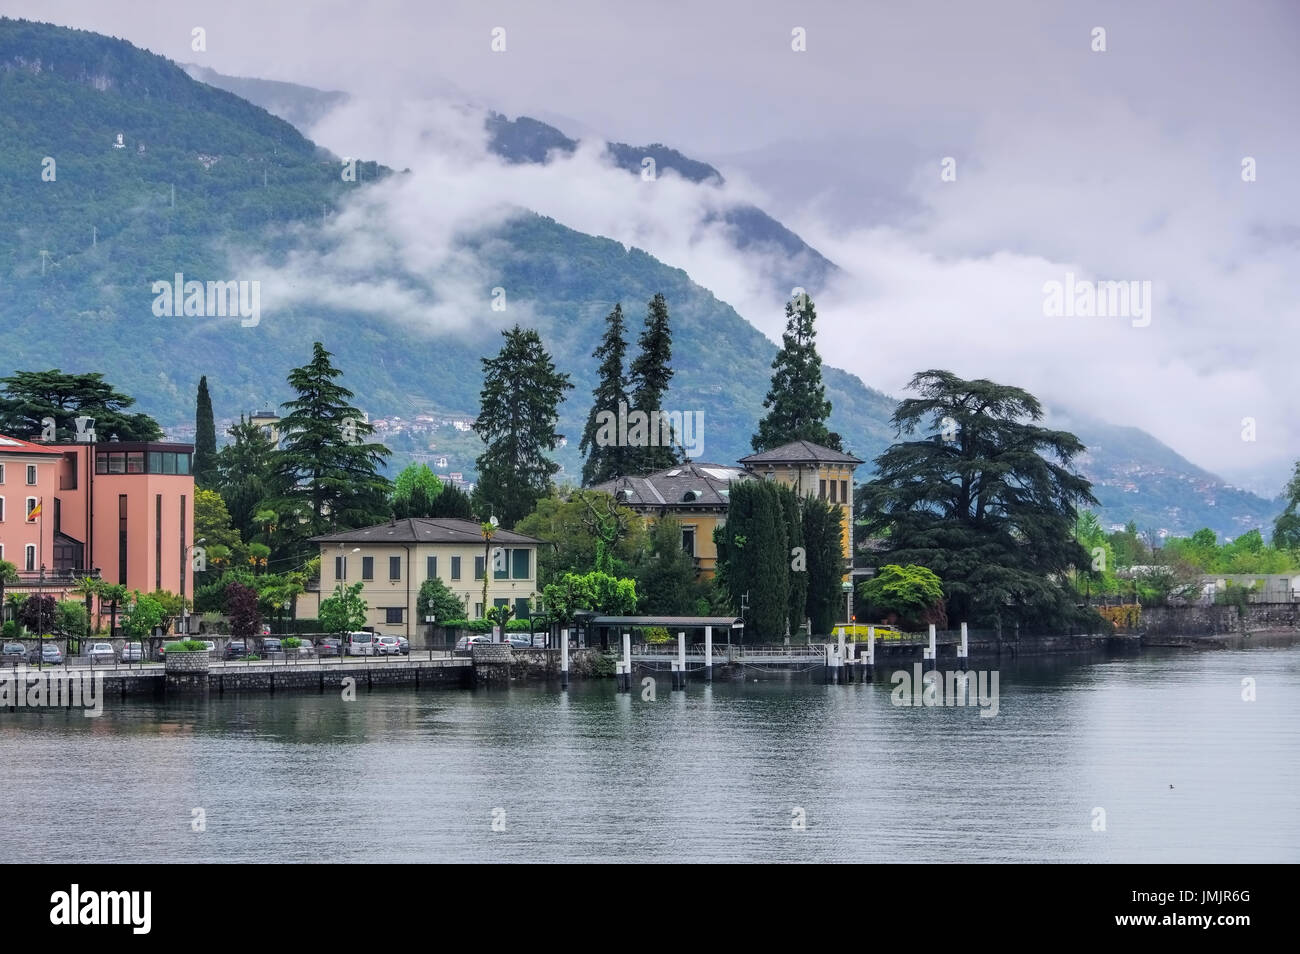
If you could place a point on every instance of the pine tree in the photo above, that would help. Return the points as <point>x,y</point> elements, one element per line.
<point>796,402</point>
<point>247,474</point>
<point>648,382</point>
<point>519,409</point>
<point>205,438</point>
<point>329,469</point>
<point>606,460</point>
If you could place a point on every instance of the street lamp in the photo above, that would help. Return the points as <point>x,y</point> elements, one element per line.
<point>847,587</point>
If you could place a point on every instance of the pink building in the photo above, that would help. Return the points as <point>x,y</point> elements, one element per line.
<point>125,509</point>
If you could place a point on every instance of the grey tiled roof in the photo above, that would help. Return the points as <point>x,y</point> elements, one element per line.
<point>423,530</point>
<point>687,485</point>
<point>797,452</point>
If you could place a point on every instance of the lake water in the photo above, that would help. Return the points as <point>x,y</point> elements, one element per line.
<point>1184,769</point>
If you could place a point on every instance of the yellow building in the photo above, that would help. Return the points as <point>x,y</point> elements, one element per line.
<point>695,495</point>
<point>813,471</point>
<point>393,559</point>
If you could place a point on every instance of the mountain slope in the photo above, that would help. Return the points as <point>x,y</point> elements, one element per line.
<point>206,183</point>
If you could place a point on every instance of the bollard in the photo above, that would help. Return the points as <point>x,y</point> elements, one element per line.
<point>930,655</point>
<point>681,660</point>
<point>964,649</point>
<point>564,660</point>
<point>708,654</point>
<point>627,662</point>
<point>829,668</point>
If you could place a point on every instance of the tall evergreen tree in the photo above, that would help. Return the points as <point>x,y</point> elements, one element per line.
<point>205,438</point>
<point>247,474</point>
<point>519,408</point>
<point>452,502</point>
<point>796,401</point>
<point>609,461</point>
<point>648,382</point>
<point>823,536</point>
<point>329,470</point>
<point>984,496</point>
<point>797,557</point>
<point>754,557</point>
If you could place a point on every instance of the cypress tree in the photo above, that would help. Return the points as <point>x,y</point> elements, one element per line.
<point>205,439</point>
<point>606,460</point>
<point>823,536</point>
<point>519,409</point>
<point>648,381</point>
<point>796,557</point>
<point>754,558</point>
<point>796,402</point>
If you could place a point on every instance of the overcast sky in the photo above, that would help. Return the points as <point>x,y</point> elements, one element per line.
<point>1116,165</point>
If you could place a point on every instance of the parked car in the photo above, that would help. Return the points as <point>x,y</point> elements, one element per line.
<point>102,652</point>
<point>46,653</point>
<point>236,649</point>
<point>518,640</point>
<point>465,643</point>
<point>132,652</point>
<point>14,649</point>
<point>406,645</point>
<point>212,647</point>
<point>271,645</point>
<point>265,630</point>
<point>387,645</point>
<point>361,644</point>
<point>330,646</point>
<point>305,647</point>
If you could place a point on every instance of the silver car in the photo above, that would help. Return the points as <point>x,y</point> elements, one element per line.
<point>360,644</point>
<point>132,652</point>
<point>388,646</point>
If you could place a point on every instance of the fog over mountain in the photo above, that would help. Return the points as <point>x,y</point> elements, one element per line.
<point>1117,165</point>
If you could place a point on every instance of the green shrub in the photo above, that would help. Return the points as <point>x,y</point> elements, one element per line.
<point>292,642</point>
<point>10,630</point>
<point>185,646</point>
<point>603,665</point>
<point>657,636</point>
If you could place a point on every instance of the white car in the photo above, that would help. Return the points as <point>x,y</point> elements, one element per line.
<point>102,652</point>
<point>361,644</point>
<point>388,646</point>
<point>212,647</point>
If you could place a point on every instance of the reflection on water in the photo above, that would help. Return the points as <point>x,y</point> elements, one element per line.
<point>1184,769</point>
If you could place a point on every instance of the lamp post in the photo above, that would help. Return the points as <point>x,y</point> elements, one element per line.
<point>847,587</point>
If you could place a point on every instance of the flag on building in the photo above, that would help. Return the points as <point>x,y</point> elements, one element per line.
<point>34,512</point>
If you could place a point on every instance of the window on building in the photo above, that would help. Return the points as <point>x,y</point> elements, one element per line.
<point>121,539</point>
<point>2,473</point>
<point>135,462</point>
<point>844,491</point>
<point>367,568</point>
<point>501,564</point>
<point>394,568</point>
<point>478,568</point>
<point>520,564</point>
<point>31,475</point>
<point>29,558</point>
<point>393,614</point>
<point>834,488</point>
<point>157,541</point>
<point>455,568</point>
<point>478,610</point>
<point>2,510</point>
<point>430,568</point>
<point>822,491</point>
<point>31,505</point>
<point>688,540</point>
<point>521,608</point>
<point>340,568</point>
